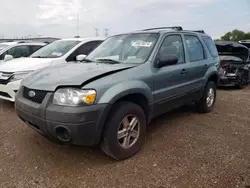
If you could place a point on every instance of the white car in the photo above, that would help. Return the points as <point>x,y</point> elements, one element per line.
<point>60,51</point>
<point>11,50</point>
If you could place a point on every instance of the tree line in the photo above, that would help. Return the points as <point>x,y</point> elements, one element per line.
<point>235,35</point>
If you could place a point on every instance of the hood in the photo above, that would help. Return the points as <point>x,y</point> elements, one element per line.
<point>25,64</point>
<point>233,49</point>
<point>70,74</point>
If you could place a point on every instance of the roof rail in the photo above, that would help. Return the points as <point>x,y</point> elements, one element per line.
<point>178,28</point>
<point>242,41</point>
<point>199,31</point>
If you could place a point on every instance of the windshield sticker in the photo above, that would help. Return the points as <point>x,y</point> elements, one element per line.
<point>56,53</point>
<point>141,44</point>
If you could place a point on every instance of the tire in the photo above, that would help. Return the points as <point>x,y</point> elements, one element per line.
<point>203,106</point>
<point>110,143</point>
<point>241,81</point>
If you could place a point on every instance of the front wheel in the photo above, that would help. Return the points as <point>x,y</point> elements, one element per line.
<point>206,103</point>
<point>125,131</point>
<point>242,80</point>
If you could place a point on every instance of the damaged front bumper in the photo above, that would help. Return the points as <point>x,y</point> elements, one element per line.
<point>228,79</point>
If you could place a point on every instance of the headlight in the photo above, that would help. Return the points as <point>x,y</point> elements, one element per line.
<point>74,97</point>
<point>19,76</point>
<point>222,72</point>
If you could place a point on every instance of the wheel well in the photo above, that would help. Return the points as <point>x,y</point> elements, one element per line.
<point>138,99</point>
<point>214,78</point>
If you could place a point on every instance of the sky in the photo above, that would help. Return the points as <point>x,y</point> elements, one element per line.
<point>58,18</point>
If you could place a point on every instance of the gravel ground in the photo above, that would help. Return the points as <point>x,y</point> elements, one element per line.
<point>183,149</point>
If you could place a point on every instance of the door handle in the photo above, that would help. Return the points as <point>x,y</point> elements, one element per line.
<point>183,72</point>
<point>205,66</point>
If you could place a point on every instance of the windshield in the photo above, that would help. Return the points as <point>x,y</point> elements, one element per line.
<point>129,48</point>
<point>55,49</point>
<point>231,58</point>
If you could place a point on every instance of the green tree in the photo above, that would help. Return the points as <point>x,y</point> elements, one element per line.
<point>236,35</point>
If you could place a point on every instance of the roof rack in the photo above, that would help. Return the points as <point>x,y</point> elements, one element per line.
<point>199,31</point>
<point>242,41</point>
<point>178,28</point>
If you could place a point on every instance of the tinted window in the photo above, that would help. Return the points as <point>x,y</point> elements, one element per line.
<point>211,46</point>
<point>173,45</point>
<point>19,51</point>
<point>88,47</point>
<point>34,48</point>
<point>194,48</point>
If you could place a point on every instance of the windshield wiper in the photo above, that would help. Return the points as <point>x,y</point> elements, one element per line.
<point>110,61</point>
<point>86,60</point>
<point>36,56</point>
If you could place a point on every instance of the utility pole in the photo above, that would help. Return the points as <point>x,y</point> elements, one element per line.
<point>106,32</point>
<point>96,32</point>
<point>77,25</point>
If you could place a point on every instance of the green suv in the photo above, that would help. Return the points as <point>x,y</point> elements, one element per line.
<point>110,97</point>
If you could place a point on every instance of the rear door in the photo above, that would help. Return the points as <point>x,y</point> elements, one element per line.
<point>198,62</point>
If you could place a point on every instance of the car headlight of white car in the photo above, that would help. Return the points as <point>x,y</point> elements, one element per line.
<point>74,97</point>
<point>20,75</point>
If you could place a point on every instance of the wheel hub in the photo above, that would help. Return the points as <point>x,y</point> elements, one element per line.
<point>128,131</point>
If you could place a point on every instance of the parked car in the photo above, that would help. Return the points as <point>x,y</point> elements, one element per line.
<point>11,50</point>
<point>120,87</point>
<point>58,52</point>
<point>234,64</point>
<point>245,43</point>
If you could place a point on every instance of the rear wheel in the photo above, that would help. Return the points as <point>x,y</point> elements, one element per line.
<point>125,131</point>
<point>206,103</point>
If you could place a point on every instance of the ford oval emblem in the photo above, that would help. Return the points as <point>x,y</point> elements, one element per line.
<point>32,94</point>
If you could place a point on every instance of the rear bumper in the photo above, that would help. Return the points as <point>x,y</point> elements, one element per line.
<point>8,91</point>
<point>69,125</point>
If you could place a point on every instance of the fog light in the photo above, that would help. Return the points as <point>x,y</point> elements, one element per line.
<point>63,134</point>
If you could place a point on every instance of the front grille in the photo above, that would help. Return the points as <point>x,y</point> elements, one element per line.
<point>39,95</point>
<point>4,94</point>
<point>5,77</point>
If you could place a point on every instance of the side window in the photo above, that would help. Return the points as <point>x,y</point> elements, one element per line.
<point>194,48</point>
<point>34,49</point>
<point>173,45</point>
<point>88,47</point>
<point>84,49</point>
<point>210,45</point>
<point>19,51</point>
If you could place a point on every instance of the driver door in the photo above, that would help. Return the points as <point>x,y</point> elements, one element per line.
<point>170,81</point>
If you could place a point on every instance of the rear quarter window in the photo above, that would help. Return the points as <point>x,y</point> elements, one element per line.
<point>210,45</point>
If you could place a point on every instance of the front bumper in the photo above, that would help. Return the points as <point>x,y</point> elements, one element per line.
<point>83,125</point>
<point>8,91</point>
<point>228,80</point>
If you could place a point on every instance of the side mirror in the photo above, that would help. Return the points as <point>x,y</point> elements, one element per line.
<point>8,57</point>
<point>166,61</point>
<point>80,57</point>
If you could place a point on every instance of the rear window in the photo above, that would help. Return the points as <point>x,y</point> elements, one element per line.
<point>211,46</point>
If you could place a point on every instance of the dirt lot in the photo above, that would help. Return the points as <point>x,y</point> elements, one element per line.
<point>183,149</point>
